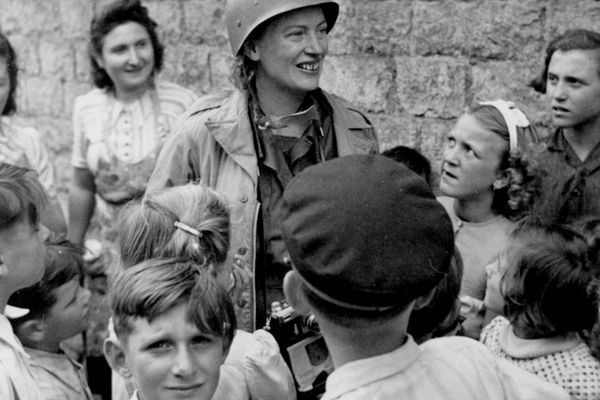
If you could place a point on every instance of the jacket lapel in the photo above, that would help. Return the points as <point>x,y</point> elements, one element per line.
<point>349,129</point>
<point>231,129</point>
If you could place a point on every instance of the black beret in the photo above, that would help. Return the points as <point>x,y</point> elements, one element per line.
<point>364,232</point>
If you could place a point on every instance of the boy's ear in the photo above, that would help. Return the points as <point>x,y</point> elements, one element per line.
<point>31,331</point>
<point>115,356</point>
<point>424,300</point>
<point>292,289</point>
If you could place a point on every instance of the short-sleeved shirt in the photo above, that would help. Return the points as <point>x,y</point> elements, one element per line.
<point>570,187</point>
<point>21,145</point>
<point>132,130</point>
<point>58,377</point>
<point>16,379</point>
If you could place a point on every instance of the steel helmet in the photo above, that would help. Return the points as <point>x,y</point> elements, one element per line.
<point>243,16</point>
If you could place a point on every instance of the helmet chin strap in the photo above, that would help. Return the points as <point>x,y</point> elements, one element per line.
<point>512,116</point>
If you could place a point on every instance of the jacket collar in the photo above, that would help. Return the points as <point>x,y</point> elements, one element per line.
<point>344,123</point>
<point>230,127</point>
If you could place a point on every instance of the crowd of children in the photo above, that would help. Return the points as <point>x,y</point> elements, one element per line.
<point>173,322</point>
<point>475,294</point>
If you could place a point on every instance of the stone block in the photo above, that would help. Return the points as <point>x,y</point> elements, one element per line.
<point>56,59</point>
<point>81,67</point>
<point>394,130</point>
<point>168,14</point>
<point>427,135</point>
<point>372,27</point>
<point>29,17</point>
<point>204,22</point>
<point>490,29</point>
<point>42,96</point>
<point>75,17</point>
<point>188,66</point>
<point>365,81</point>
<point>221,67</point>
<point>507,80</point>
<point>574,14</point>
<point>27,55</point>
<point>432,86</point>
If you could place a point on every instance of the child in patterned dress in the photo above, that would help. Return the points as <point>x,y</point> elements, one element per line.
<point>550,289</point>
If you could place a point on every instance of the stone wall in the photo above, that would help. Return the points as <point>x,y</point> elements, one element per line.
<point>412,64</point>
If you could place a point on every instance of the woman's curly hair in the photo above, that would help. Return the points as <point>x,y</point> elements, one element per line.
<point>520,180</point>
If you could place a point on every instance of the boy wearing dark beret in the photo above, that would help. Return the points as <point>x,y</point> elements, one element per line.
<point>369,243</point>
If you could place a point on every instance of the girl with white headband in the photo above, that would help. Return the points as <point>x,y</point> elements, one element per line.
<point>487,182</point>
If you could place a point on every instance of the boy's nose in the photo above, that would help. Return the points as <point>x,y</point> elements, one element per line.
<point>183,365</point>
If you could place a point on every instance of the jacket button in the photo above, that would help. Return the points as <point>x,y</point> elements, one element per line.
<point>244,198</point>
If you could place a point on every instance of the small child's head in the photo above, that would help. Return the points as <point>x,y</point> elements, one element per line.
<point>174,325</point>
<point>367,240</point>
<point>58,304</point>
<point>551,283</point>
<point>189,220</point>
<point>440,316</point>
<point>21,249</point>
<point>414,160</point>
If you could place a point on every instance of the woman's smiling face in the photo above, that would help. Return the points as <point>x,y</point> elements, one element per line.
<point>128,58</point>
<point>291,50</point>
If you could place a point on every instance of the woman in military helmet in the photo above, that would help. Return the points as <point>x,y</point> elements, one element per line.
<point>249,143</point>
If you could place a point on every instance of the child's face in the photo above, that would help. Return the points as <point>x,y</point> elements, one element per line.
<point>171,358</point>
<point>22,253</point>
<point>69,315</point>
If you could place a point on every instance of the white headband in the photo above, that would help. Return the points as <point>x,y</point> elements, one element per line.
<point>512,116</point>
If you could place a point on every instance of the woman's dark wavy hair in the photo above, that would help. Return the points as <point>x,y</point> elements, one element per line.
<point>118,13</point>
<point>552,285</point>
<point>575,39</point>
<point>7,53</point>
<point>520,173</point>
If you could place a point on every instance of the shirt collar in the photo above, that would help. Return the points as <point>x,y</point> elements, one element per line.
<point>356,374</point>
<point>7,335</point>
<point>556,141</point>
<point>531,348</point>
<point>143,106</point>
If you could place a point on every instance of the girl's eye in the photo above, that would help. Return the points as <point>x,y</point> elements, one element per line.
<point>451,141</point>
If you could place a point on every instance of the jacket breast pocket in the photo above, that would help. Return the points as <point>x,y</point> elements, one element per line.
<point>363,140</point>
